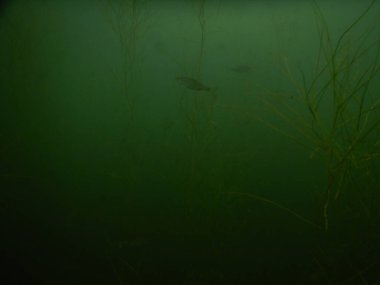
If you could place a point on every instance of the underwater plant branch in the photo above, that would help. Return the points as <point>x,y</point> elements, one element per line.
<point>277,205</point>
<point>359,191</point>
<point>361,51</point>
<point>331,56</point>
<point>345,156</point>
<point>278,130</point>
<point>340,102</point>
<point>361,107</point>
<point>305,93</point>
<point>327,201</point>
<point>307,98</point>
<point>320,95</point>
<point>362,47</point>
<point>374,71</point>
<point>351,95</point>
<point>331,178</point>
<point>323,31</point>
<point>286,112</point>
<point>286,71</point>
<point>361,113</point>
<point>286,118</point>
<point>339,78</point>
<point>346,68</point>
<point>360,273</point>
<point>374,126</point>
<point>316,124</point>
<point>320,51</point>
<point>200,7</point>
<point>334,170</point>
<point>374,107</point>
<point>329,50</point>
<point>358,19</point>
<point>299,125</point>
<point>340,184</point>
<point>372,193</point>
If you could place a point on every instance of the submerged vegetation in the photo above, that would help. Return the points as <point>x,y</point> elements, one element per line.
<point>128,20</point>
<point>197,111</point>
<point>176,197</point>
<point>337,115</point>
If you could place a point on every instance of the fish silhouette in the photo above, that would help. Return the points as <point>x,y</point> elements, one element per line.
<point>242,68</point>
<point>193,84</point>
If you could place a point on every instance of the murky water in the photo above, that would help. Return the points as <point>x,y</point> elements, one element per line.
<point>261,168</point>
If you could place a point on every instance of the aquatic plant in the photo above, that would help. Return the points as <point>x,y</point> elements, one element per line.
<point>198,110</point>
<point>196,102</point>
<point>128,21</point>
<point>339,115</point>
<point>200,7</point>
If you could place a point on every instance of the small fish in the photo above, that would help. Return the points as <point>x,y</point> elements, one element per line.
<point>193,84</point>
<point>242,68</point>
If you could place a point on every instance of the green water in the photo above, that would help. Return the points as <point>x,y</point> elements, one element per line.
<point>112,171</point>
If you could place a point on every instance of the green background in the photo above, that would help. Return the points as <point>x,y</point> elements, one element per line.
<point>114,172</point>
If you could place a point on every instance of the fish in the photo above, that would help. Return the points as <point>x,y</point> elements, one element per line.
<point>242,68</point>
<point>191,83</point>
